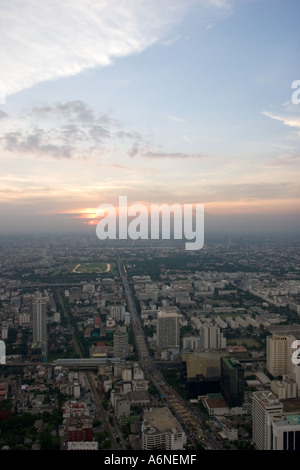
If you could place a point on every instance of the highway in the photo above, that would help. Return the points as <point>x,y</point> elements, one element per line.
<point>182,410</point>
<point>186,416</point>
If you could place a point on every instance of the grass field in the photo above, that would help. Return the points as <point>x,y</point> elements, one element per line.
<point>94,268</point>
<point>247,342</point>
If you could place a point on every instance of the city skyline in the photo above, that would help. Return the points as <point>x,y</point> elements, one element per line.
<point>163,102</point>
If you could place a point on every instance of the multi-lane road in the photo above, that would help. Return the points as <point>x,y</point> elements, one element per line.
<point>187,418</point>
<point>182,410</point>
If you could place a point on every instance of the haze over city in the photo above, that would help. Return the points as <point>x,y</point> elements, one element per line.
<point>149,228</point>
<point>168,101</point>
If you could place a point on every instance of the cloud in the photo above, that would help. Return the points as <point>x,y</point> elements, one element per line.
<point>133,151</point>
<point>73,111</point>
<point>48,40</point>
<point>147,151</point>
<point>176,155</point>
<point>73,130</point>
<point>176,119</point>
<point>98,133</point>
<point>252,191</point>
<point>291,121</point>
<point>283,160</point>
<point>170,41</point>
<point>44,41</point>
<point>3,115</point>
<point>66,130</point>
<point>36,143</point>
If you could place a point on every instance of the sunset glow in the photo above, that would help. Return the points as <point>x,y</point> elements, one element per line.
<point>169,102</point>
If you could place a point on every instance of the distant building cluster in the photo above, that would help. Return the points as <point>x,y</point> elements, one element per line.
<point>220,328</point>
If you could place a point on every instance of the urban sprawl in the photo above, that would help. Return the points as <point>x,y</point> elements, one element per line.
<point>146,346</point>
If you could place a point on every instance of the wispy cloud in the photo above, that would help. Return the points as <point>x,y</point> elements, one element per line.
<point>176,119</point>
<point>284,160</point>
<point>173,155</point>
<point>170,41</point>
<point>47,40</point>
<point>291,121</point>
<point>43,41</point>
<point>145,152</point>
<point>72,111</point>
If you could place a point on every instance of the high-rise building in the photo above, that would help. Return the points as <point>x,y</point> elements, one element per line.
<point>160,430</point>
<point>232,381</point>
<point>279,354</point>
<point>117,312</point>
<point>4,330</point>
<point>39,307</point>
<point>79,429</point>
<point>120,344</point>
<point>211,337</point>
<point>168,330</point>
<point>285,432</point>
<point>264,405</point>
<point>202,371</point>
<point>2,352</point>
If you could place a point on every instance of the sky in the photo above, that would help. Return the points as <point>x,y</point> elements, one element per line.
<point>162,101</point>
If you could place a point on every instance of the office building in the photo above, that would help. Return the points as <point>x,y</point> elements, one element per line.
<point>232,381</point>
<point>168,330</point>
<point>24,319</point>
<point>239,352</point>
<point>279,354</point>
<point>202,371</point>
<point>285,432</point>
<point>120,340</point>
<point>39,307</point>
<point>4,330</point>
<point>160,430</point>
<point>264,405</point>
<point>117,312</point>
<point>2,352</point>
<point>211,337</point>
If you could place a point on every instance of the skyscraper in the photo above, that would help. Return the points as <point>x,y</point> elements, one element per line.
<point>264,405</point>
<point>118,312</point>
<point>279,354</point>
<point>232,381</point>
<point>40,325</point>
<point>121,344</point>
<point>168,330</point>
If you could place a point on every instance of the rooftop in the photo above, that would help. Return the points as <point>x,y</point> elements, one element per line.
<point>161,420</point>
<point>293,419</point>
<point>231,362</point>
<point>234,348</point>
<point>292,405</point>
<point>215,400</point>
<point>165,314</point>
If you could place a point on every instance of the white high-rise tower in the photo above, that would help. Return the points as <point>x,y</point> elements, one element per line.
<point>39,307</point>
